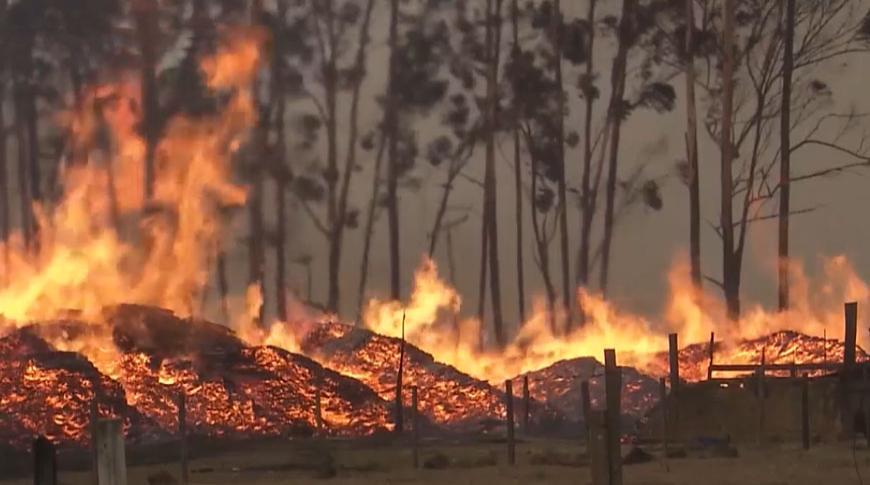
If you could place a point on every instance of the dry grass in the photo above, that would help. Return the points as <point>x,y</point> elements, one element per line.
<point>343,463</point>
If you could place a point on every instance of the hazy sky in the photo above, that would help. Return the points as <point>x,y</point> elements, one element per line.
<point>646,243</point>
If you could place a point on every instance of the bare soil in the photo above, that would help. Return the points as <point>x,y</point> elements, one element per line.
<point>539,461</point>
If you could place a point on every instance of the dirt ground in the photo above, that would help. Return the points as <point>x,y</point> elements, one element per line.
<point>551,462</point>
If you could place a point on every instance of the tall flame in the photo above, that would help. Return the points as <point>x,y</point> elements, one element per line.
<point>103,243</point>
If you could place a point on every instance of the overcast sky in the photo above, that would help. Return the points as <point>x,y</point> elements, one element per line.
<point>646,243</point>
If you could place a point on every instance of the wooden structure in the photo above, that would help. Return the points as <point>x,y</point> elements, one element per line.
<point>842,382</point>
<point>44,462</point>
<point>111,459</point>
<point>509,419</point>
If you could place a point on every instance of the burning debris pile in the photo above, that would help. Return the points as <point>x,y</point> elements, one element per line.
<point>231,388</point>
<point>558,385</point>
<point>446,396</point>
<point>783,347</point>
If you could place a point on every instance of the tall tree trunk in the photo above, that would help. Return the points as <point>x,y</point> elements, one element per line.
<point>692,152</point>
<point>730,268</point>
<point>146,30</point>
<point>518,184</point>
<point>278,98</point>
<point>563,197</point>
<point>371,216</point>
<point>336,241</point>
<point>5,223</point>
<point>484,273</point>
<point>392,156</point>
<point>587,195</point>
<point>626,27</point>
<point>493,40</point>
<point>541,239</point>
<point>785,154</point>
<point>22,147</point>
<point>256,253</point>
<point>334,220</point>
<point>223,285</point>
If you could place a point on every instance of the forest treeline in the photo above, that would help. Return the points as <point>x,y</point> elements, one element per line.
<point>455,82</point>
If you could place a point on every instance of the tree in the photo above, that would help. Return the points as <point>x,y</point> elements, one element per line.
<point>745,104</point>
<point>785,156</point>
<point>391,118</point>
<point>518,180</point>
<point>692,172</point>
<point>557,26</point>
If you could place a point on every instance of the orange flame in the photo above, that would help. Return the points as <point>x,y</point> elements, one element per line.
<point>103,243</point>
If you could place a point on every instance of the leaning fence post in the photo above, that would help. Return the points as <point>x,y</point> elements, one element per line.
<point>111,461</point>
<point>613,391</point>
<point>526,404</point>
<point>805,411</point>
<point>415,422</point>
<point>509,411</point>
<point>44,462</point>
<point>182,433</point>
<point>674,361</point>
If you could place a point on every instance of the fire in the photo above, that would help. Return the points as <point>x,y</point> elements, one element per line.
<point>431,324</point>
<point>105,242</point>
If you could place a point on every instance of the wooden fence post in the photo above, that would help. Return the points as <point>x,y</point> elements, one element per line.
<point>318,414</point>
<point>415,421</point>
<point>182,433</point>
<point>761,396</point>
<point>509,411</point>
<point>44,462</point>
<point>613,391</point>
<point>663,400</point>
<point>710,351</point>
<point>526,404</point>
<point>111,460</point>
<point>598,447</point>
<point>847,410</point>
<point>805,412</point>
<point>674,361</point>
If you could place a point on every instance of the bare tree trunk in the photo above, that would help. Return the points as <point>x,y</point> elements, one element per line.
<point>223,285</point>
<point>484,259</point>
<point>256,254</point>
<point>329,71</point>
<point>626,26</point>
<point>518,185</point>
<point>5,223</point>
<point>785,154</point>
<point>146,30</point>
<point>280,176</point>
<point>730,268</point>
<point>563,197</point>
<point>541,243</point>
<point>692,152</point>
<point>23,146</point>
<point>493,40</point>
<point>587,195</point>
<point>336,240</point>
<point>392,156</point>
<point>371,215</point>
